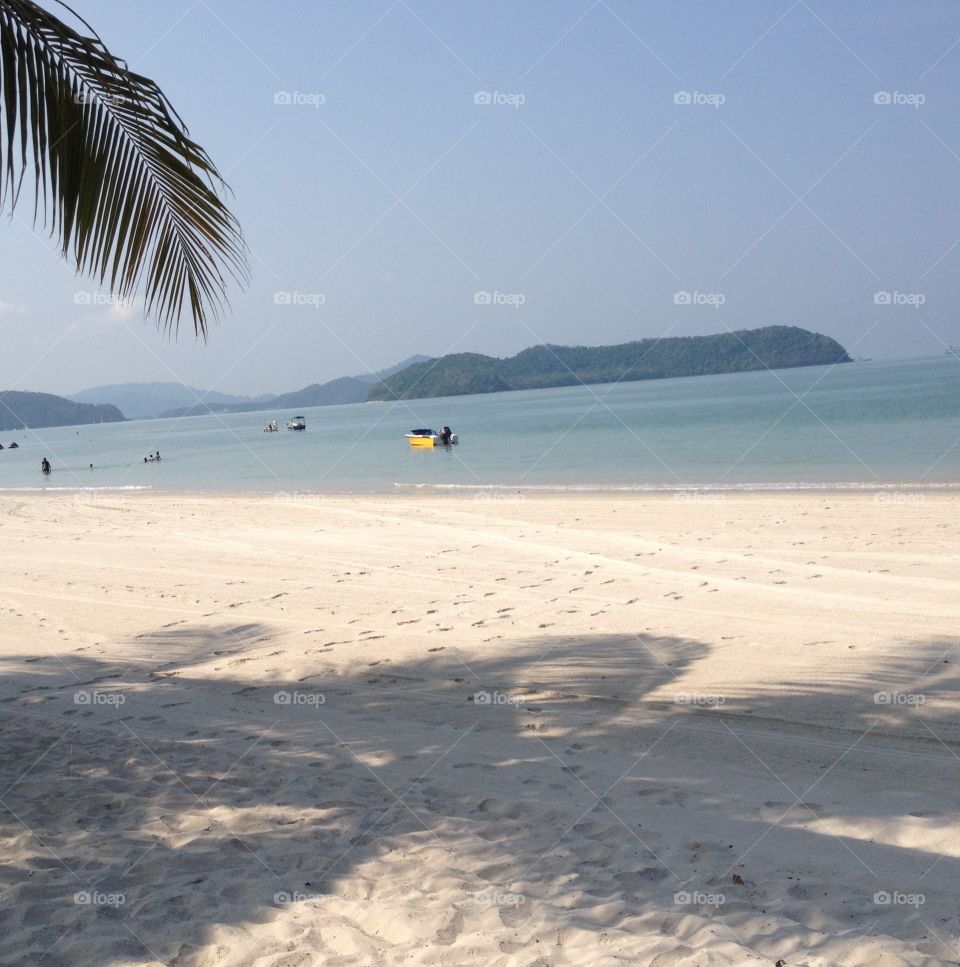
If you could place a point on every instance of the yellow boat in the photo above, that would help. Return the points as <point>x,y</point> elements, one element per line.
<point>425,437</point>
<point>422,438</point>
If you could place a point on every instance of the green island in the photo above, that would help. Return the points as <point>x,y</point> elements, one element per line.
<point>19,410</point>
<point>539,367</point>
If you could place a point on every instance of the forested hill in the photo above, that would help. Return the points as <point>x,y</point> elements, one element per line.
<point>19,410</point>
<point>773,347</point>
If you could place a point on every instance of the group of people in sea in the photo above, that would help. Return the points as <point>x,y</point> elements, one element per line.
<point>46,468</point>
<point>11,446</point>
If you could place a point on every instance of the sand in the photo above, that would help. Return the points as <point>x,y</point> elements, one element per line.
<point>497,730</point>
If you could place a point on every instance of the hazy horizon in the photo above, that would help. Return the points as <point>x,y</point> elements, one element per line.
<point>442,177</point>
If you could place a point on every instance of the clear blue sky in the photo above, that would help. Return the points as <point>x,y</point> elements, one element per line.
<point>382,197</point>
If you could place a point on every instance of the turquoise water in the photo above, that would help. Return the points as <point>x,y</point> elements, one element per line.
<point>864,424</point>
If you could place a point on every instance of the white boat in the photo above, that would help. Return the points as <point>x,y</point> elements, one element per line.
<point>297,423</point>
<point>270,427</point>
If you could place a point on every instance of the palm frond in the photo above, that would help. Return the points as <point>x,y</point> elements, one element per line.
<point>135,202</point>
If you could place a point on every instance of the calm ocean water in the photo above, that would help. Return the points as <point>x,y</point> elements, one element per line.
<point>864,424</point>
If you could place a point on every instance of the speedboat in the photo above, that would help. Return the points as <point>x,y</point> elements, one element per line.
<point>422,438</point>
<point>425,437</point>
<point>270,427</point>
<point>297,423</point>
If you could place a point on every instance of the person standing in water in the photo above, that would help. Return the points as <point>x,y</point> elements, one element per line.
<point>45,465</point>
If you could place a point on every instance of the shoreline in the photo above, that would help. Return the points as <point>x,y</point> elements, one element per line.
<point>532,490</point>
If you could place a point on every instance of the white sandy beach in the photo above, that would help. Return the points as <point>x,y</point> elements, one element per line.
<point>551,730</point>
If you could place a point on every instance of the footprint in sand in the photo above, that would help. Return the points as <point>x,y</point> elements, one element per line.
<point>514,915</point>
<point>635,880</point>
<point>447,934</point>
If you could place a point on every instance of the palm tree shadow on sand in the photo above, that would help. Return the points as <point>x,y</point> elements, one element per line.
<point>572,783</point>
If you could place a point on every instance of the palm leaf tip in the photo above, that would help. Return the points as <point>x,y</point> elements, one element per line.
<point>136,203</point>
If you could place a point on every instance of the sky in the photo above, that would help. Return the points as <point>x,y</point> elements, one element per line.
<point>434,176</point>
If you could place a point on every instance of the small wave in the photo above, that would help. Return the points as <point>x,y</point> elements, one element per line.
<point>72,490</point>
<point>783,486</point>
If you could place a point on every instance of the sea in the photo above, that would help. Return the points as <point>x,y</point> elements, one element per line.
<point>866,425</point>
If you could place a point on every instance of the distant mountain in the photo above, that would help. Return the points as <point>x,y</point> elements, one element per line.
<point>345,389</point>
<point>390,370</point>
<point>773,347</point>
<point>139,401</point>
<point>205,408</point>
<point>19,410</point>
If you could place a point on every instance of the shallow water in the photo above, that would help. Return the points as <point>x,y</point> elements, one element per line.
<point>859,425</point>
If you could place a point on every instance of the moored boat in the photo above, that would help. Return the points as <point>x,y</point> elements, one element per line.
<point>425,437</point>
<point>422,438</point>
<point>270,427</point>
<point>297,423</point>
